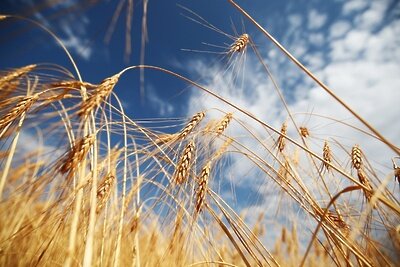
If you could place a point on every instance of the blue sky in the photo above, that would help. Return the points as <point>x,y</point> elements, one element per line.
<point>353,46</point>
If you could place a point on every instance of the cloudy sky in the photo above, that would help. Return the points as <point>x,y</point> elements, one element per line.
<point>353,46</point>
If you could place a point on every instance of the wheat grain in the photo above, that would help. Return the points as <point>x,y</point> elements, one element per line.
<point>223,124</point>
<point>71,84</point>
<point>304,132</point>
<point>202,187</point>
<point>21,107</point>
<point>240,44</point>
<point>356,157</point>
<point>104,191</point>
<point>134,222</point>
<point>284,171</point>
<point>15,74</point>
<point>76,154</point>
<point>183,168</point>
<point>98,96</point>
<point>194,121</point>
<point>362,177</point>
<point>281,138</point>
<point>326,155</point>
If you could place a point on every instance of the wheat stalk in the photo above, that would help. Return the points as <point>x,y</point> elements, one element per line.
<point>183,167</point>
<point>164,138</point>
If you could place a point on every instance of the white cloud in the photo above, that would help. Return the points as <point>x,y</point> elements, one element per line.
<point>160,105</point>
<point>354,6</point>
<point>73,28</point>
<point>361,66</point>
<point>373,16</point>
<point>80,46</point>
<point>316,39</point>
<point>295,21</point>
<point>339,28</point>
<point>316,19</point>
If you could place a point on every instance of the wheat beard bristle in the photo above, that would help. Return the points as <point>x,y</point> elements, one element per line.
<point>222,148</point>
<point>191,125</point>
<point>202,187</point>
<point>183,168</point>
<point>98,96</point>
<point>164,138</point>
<point>356,157</point>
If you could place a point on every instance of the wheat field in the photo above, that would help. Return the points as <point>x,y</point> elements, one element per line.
<point>82,183</point>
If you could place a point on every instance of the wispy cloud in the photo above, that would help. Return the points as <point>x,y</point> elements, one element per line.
<point>359,58</point>
<point>316,19</point>
<point>158,104</point>
<point>70,28</point>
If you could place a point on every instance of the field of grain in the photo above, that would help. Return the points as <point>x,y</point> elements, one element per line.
<point>83,183</point>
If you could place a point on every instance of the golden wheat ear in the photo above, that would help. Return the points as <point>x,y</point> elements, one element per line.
<point>20,108</point>
<point>327,156</point>
<point>76,155</point>
<point>194,121</point>
<point>183,167</point>
<point>98,96</point>
<point>15,74</point>
<point>202,187</point>
<point>223,124</point>
<point>281,138</point>
<point>240,44</point>
<point>104,191</point>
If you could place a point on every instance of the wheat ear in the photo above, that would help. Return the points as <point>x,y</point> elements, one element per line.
<point>202,187</point>
<point>183,168</point>
<point>196,119</point>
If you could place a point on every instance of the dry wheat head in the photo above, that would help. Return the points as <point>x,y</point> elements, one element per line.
<point>183,167</point>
